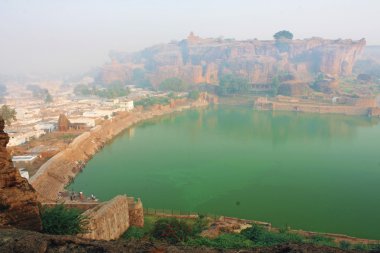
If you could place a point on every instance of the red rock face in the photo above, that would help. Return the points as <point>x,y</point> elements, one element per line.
<point>18,200</point>
<point>198,60</point>
<point>114,72</point>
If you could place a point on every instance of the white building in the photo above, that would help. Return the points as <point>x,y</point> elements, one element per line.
<point>98,114</point>
<point>24,173</point>
<point>46,127</point>
<point>24,158</point>
<point>19,138</point>
<point>127,105</point>
<point>16,139</point>
<point>89,122</point>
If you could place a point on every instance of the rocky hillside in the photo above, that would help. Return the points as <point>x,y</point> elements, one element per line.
<point>19,207</point>
<point>21,241</point>
<point>198,60</point>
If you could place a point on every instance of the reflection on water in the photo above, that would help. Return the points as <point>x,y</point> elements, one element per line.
<point>243,122</point>
<point>311,171</point>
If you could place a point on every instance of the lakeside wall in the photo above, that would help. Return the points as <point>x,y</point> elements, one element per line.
<point>324,109</point>
<point>359,109</point>
<point>109,220</point>
<point>62,168</point>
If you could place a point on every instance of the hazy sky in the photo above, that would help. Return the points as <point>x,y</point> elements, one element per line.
<point>74,35</point>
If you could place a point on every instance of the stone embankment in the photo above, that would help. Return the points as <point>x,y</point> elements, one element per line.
<point>360,109</point>
<point>111,219</point>
<point>61,169</point>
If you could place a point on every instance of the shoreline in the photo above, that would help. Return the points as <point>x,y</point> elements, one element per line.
<point>292,104</point>
<point>56,173</point>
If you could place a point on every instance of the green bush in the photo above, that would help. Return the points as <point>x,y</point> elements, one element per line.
<point>137,232</point>
<point>254,233</point>
<point>60,220</point>
<point>194,95</point>
<point>224,241</point>
<point>360,246</point>
<point>149,101</point>
<point>322,240</point>
<point>134,232</point>
<point>173,84</point>
<point>344,245</point>
<point>232,84</point>
<point>374,247</point>
<point>262,237</point>
<point>171,230</point>
<point>199,225</point>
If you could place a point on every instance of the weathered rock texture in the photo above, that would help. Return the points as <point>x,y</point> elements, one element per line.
<point>21,241</point>
<point>136,212</point>
<point>18,200</point>
<point>198,60</point>
<point>109,220</point>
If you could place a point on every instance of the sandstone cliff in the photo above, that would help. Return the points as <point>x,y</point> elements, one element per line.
<point>198,60</point>
<point>18,200</point>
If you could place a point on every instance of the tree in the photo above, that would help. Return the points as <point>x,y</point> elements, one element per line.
<point>173,84</point>
<point>116,89</point>
<point>113,90</point>
<point>8,114</point>
<point>275,84</point>
<point>60,220</point>
<point>171,230</point>
<point>48,97</point>
<point>139,79</point>
<point>82,90</point>
<point>194,95</point>
<point>36,90</point>
<point>283,35</point>
<point>232,84</point>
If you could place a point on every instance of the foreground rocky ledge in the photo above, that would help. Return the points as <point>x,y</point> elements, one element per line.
<point>15,241</point>
<point>18,200</point>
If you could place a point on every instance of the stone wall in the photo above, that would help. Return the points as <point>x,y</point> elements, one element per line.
<point>347,110</point>
<point>109,220</point>
<point>136,213</point>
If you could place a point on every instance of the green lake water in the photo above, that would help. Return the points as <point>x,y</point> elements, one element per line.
<point>309,171</point>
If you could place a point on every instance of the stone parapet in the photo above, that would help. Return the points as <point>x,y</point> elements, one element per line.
<point>109,220</point>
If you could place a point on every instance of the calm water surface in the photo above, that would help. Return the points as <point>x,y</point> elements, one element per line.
<point>310,171</point>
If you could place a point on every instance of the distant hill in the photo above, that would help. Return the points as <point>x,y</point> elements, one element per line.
<point>203,60</point>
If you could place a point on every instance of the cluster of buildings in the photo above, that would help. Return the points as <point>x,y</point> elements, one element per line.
<point>36,118</point>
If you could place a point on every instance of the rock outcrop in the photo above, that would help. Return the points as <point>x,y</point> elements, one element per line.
<point>198,60</point>
<point>18,200</point>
